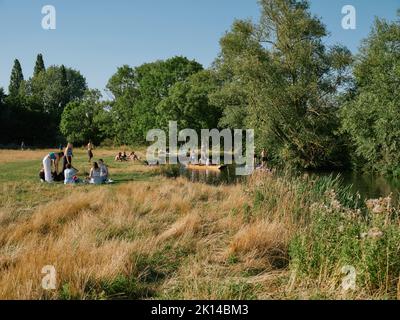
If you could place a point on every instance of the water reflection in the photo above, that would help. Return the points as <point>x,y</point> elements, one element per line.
<point>368,186</point>
<point>225,176</point>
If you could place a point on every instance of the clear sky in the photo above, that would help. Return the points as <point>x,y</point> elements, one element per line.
<point>97,36</point>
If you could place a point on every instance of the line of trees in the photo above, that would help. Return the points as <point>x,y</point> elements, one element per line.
<point>312,106</point>
<point>31,112</point>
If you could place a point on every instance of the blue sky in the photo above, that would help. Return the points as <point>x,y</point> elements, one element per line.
<point>97,36</point>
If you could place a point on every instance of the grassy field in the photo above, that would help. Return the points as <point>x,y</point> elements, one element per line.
<point>149,237</point>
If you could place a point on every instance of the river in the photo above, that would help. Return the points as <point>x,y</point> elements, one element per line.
<point>367,185</point>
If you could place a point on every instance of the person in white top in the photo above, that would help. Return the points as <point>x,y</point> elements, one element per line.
<point>70,175</point>
<point>94,176</point>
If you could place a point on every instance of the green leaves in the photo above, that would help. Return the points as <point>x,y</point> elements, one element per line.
<point>288,84</point>
<point>85,120</point>
<point>139,91</point>
<point>371,117</point>
<point>16,79</point>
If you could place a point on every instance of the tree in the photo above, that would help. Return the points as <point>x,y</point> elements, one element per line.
<point>16,79</point>
<point>371,116</point>
<point>287,83</point>
<point>55,87</point>
<point>2,96</point>
<point>138,91</point>
<point>188,103</point>
<point>39,66</point>
<point>85,120</point>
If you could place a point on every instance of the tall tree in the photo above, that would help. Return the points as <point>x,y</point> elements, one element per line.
<point>39,66</point>
<point>138,91</point>
<point>56,87</point>
<point>371,117</point>
<point>287,82</point>
<point>85,120</point>
<point>16,79</point>
<point>189,103</point>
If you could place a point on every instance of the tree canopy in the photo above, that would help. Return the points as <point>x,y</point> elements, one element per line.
<point>85,120</point>
<point>138,91</point>
<point>371,116</point>
<point>16,79</point>
<point>282,80</point>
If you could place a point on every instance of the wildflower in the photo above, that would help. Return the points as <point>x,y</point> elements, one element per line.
<point>336,205</point>
<point>380,206</point>
<point>374,233</point>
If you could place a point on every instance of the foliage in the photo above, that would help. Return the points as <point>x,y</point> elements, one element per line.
<point>138,91</point>
<point>370,117</point>
<point>189,104</point>
<point>85,120</point>
<point>54,88</point>
<point>287,82</point>
<point>338,236</point>
<point>16,79</point>
<point>39,66</point>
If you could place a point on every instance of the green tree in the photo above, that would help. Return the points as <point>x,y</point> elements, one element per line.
<point>85,120</point>
<point>287,83</point>
<point>137,92</point>
<point>16,79</point>
<point>188,103</point>
<point>54,88</point>
<point>39,66</point>
<point>371,116</point>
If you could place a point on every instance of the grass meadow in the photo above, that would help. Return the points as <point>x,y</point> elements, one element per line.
<point>151,237</point>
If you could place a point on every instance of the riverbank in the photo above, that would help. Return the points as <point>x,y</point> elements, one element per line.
<point>151,237</point>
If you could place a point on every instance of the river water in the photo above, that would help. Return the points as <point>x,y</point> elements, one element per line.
<point>368,186</point>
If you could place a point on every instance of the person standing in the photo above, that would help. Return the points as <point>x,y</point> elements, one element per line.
<point>90,151</point>
<point>264,158</point>
<point>68,154</point>
<point>48,161</point>
<point>22,146</point>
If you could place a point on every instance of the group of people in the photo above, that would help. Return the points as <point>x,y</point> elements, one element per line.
<point>122,156</point>
<point>50,170</point>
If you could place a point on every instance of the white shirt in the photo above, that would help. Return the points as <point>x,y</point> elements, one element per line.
<point>69,175</point>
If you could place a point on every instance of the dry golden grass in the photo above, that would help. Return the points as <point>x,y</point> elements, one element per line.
<point>157,238</point>
<point>93,237</point>
<point>7,156</point>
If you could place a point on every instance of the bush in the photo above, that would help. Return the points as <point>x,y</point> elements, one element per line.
<point>366,238</point>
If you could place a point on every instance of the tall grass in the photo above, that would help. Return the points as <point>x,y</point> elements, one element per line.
<point>274,237</point>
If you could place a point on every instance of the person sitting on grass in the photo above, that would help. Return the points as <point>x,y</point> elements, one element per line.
<point>118,157</point>
<point>133,156</point>
<point>124,157</point>
<point>42,175</point>
<point>70,175</point>
<point>94,176</point>
<point>103,170</point>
